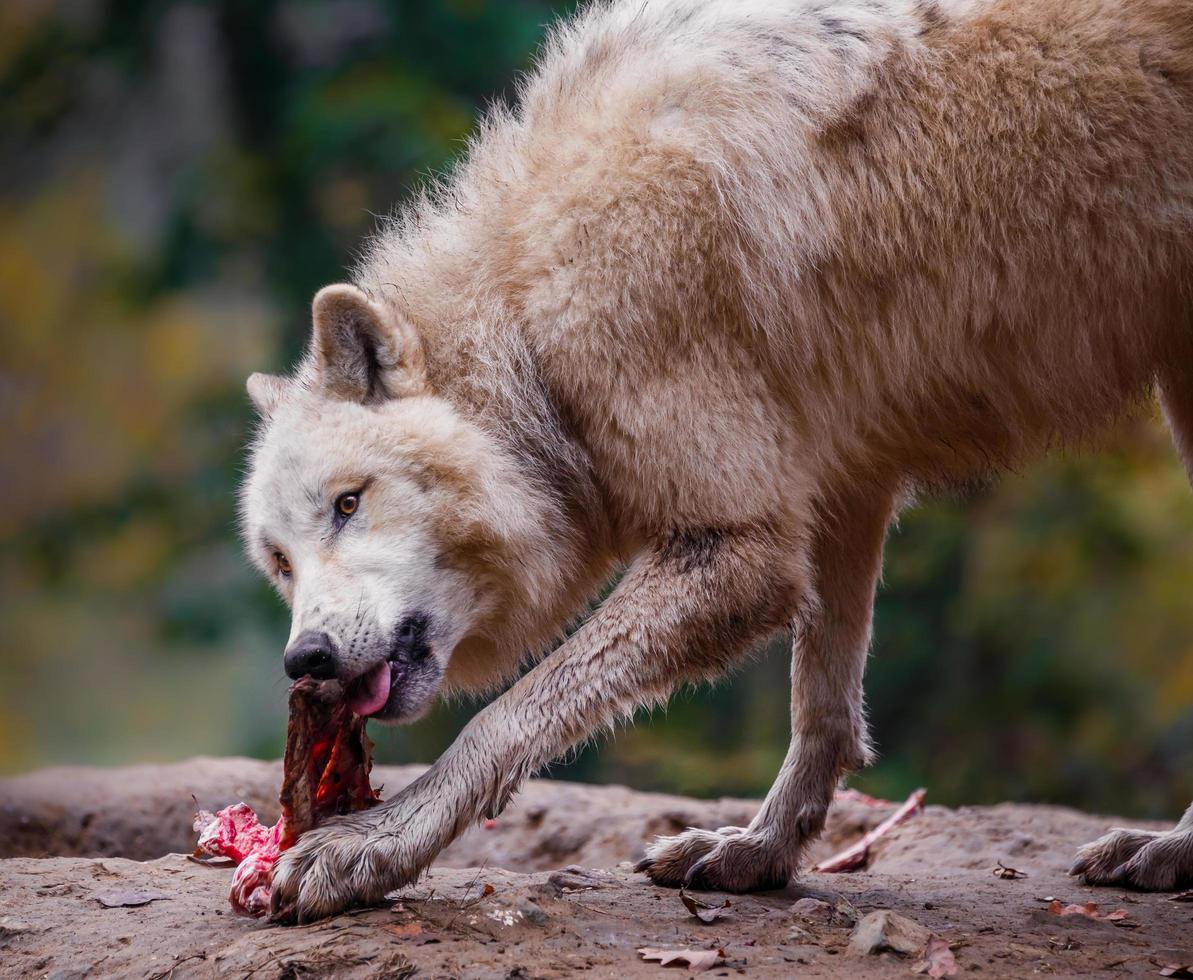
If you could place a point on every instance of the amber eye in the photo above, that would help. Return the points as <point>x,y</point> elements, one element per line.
<point>347,503</point>
<point>283,563</point>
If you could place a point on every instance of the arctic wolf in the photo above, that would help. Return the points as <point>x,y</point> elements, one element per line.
<point>734,281</point>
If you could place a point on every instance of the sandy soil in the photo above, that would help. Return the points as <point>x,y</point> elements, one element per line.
<point>503,901</point>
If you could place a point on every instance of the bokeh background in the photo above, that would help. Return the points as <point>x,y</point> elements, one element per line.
<point>180,177</point>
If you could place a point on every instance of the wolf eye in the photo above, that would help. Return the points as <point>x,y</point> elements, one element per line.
<point>347,504</point>
<point>283,564</point>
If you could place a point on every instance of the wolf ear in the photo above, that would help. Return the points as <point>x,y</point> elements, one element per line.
<point>265,391</point>
<point>361,351</point>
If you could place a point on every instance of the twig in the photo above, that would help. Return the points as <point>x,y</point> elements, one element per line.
<point>166,974</point>
<point>854,857</point>
<point>627,918</point>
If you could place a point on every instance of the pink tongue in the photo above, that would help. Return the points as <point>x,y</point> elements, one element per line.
<point>369,694</point>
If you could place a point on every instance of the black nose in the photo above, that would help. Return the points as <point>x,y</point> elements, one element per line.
<point>311,655</point>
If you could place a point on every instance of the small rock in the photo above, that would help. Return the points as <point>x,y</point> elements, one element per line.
<point>129,897</point>
<point>799,936</point>
<point>533,914</point>
<point>813,910</point>
<point>575,878</point>
<point>11,926</point>
<point>883,930</point>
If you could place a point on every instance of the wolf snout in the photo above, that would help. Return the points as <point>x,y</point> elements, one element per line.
<point>312,654</point>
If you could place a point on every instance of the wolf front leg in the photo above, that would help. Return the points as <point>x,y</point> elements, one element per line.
<point>828,722</point>
<point>685,609</point>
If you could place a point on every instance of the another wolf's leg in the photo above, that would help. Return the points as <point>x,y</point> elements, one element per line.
<point>827,720</point>
<point>1150,860</point>
<point>684,610</point>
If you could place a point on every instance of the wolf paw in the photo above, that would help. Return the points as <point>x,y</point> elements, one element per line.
<point>729,859</point>
<point>330,869</point>
<point>1142,859</point>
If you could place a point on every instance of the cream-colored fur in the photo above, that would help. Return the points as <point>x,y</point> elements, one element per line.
<point>733,280</point>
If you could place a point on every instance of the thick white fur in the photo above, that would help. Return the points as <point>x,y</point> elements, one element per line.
<point>732,280</point>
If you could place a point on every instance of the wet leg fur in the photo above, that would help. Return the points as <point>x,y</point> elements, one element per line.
<point>828,721</point>
<point>689,606</point>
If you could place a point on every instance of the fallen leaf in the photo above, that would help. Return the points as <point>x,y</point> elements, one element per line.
<point>696,960</point>
<point>1182,971</point>
<point>1002,871</point>
<point>1183,896</point>
<point>702,910</point>
<point>406,930</point>
<point>487,891</point>
<point>1089,910</point>
<point>129,898</point>
<point>937,959</point>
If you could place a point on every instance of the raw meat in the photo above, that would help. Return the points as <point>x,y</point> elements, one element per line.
<point>326,772</point>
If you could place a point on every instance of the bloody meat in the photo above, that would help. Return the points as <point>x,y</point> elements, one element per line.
<point>326,772</point>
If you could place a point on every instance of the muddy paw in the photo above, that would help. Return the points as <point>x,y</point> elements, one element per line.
<point>728,859</point>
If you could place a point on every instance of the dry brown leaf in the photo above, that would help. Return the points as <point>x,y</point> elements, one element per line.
<point>702,910</point>
<point>937,960</point>
<point>414,932</point>
<point>487,891</point>
<point>1183,896</point>
<point>1002,871</point>
<point>696,960</point>
<point>1089,910</point>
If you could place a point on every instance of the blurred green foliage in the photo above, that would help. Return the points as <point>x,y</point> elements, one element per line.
<point>180,177</point>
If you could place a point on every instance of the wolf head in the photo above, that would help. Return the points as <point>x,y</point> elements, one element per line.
<point>397,530</point>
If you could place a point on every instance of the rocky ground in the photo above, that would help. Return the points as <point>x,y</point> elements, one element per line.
<point>92,884</point>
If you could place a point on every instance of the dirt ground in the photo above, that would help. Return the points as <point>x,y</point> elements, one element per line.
<point>548,891</point>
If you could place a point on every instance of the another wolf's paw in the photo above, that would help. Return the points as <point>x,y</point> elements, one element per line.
<point>1141,859</point>
<point>333,868</point>
<point>729,859</point>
